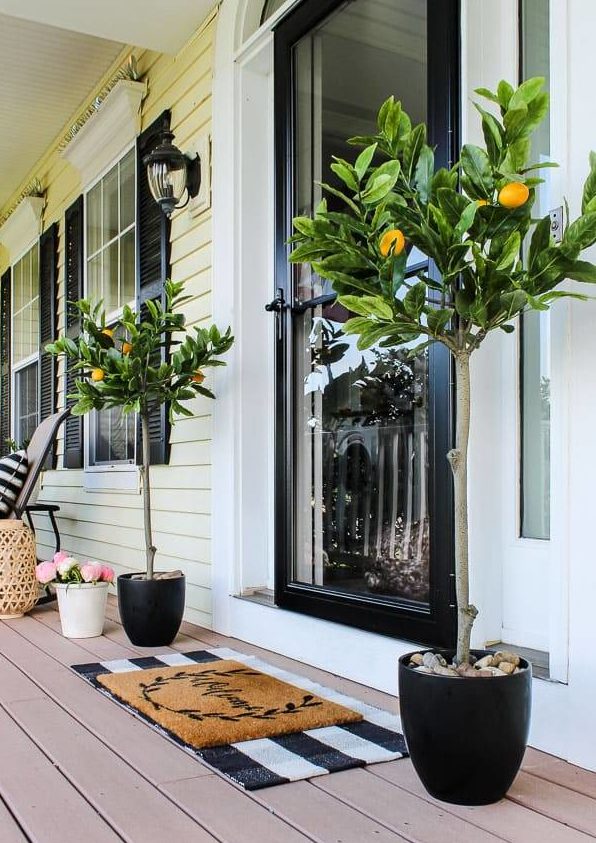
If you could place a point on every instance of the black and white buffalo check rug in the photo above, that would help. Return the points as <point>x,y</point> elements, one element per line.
<point>264,762</point>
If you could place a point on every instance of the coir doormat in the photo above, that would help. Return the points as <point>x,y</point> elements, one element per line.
<point>250,721</point>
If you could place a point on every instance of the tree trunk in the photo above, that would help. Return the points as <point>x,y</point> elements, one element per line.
<point>458,459</point>
<point>149,548</point>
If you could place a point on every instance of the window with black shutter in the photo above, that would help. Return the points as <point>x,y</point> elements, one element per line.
<point>117,250</point>
<point>5,371</point>
<point>73,275</point>
<point>153,267</point>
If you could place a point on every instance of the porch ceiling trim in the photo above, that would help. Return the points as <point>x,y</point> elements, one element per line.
<point>152,24</point>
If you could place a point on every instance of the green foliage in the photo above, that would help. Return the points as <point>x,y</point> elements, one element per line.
<point>129,356</point>
<point>485,276</point>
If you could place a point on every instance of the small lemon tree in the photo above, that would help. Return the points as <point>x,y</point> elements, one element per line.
<point>473,222</point>
<point>121,366</point>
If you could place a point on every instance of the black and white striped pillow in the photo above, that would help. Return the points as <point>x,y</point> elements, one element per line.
<point>13,471</point>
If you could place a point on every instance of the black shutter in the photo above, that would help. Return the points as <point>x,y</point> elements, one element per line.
<point>5,322</point>
<point>48,326</point>
<point>153,267</point>
<point>73,275</point>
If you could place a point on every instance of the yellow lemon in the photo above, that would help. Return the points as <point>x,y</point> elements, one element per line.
<point>514,195</point>
<point>108,332</point>
<point>393,239</point>
<point>97,375</point>
<point>126,348</point>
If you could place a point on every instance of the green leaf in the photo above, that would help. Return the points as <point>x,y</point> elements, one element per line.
<point>513,302</point>
<point>379,188</point>
<point>343,170</point>
<point>504,94</point>
<point>356,325</point>
<point>488,95</point>
<point>362,163</point>
<point>367,306</point>
<point>515,122</point>
<point>442,223</point>
<point>582,232</point>
<point>476,166</point>
<point>334,192</point>
<point>452,204</point>
<point>493,134</point>
<point>510,251</point>
<point>414,143</point>
<point>582,271</point>
<point>526,92</point>
<point>541,240</point>
<point>392,122</point>
<point>305,225</point>
<point>415,299</point>
<point>423,173</point>
<point>436,320</point>
<point>590,184</point>
<point>388,168</point>
<point>509,329</point>
<point>466,219</point>
<point>383,112</point>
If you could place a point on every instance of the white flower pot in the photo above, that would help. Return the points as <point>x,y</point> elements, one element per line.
<point>82,608</point>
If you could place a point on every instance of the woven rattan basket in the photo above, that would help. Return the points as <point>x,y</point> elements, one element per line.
<point>18,587</point>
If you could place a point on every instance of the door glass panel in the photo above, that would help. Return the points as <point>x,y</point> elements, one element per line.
<point>535,351</point>
<point>361,418</point>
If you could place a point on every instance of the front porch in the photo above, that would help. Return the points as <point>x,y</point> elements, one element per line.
<point>75,765</point>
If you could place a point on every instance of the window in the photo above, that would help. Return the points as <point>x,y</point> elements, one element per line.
<point>535,326</point>
<point>25,346</point>
<point>110,248</point>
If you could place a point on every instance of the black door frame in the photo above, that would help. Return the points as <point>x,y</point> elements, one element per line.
<point>432,624</point>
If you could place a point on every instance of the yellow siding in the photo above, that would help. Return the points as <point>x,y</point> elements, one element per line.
<point>107,526</point>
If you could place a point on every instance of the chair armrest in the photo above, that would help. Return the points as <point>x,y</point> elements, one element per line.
<point>42,507</point>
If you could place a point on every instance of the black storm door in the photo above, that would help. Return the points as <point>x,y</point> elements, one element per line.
<point>363,491</point>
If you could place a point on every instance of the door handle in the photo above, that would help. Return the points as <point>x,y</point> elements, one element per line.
<point>277,304</point>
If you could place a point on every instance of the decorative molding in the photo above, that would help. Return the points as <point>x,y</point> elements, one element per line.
<point>108,130</point>
<point>127,71</point>
<point>34,188</point>
<point>23,226</point>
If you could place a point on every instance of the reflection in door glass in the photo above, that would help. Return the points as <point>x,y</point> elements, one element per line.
<point>362,456</point>
<point>361,421</point>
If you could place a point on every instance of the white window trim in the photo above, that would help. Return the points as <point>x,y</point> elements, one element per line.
<point>15,368</point>
<point>121,477</point>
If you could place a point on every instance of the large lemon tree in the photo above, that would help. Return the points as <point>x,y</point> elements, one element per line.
<point>474,222</point>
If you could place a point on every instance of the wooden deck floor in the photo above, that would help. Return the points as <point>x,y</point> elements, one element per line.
<point>76,768</point>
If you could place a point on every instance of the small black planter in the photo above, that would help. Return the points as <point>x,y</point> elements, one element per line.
<point>151,610</point>
<point>466,737</point>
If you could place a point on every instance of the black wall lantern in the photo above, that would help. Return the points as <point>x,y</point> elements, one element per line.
<point>170,173</point>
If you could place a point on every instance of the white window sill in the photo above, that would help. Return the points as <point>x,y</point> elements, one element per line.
<point>120,479</point>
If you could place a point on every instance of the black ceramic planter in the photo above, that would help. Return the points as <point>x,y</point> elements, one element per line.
<point>151,610</point>
<point>466,737</point>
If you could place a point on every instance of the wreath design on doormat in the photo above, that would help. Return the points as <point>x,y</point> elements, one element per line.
<point>210,683</point>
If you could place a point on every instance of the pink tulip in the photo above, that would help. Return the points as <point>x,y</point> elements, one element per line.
<point>107,574</point>
<point>91,572</point>
<point>45,572</point>
<point>60,557</point>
